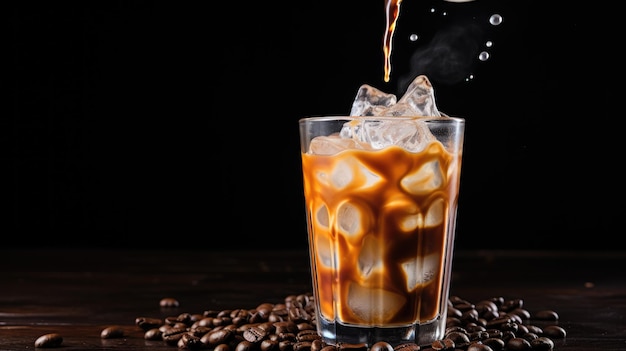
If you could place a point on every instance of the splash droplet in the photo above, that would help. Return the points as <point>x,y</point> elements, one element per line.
<point>495,19</point>
<point>483,56</point>
<point>413,37</point>
<point>489,43</point>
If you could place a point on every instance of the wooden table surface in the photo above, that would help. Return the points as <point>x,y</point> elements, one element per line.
<point>78,293</point>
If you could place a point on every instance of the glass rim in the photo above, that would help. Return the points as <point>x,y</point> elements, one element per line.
<point>443,118</point>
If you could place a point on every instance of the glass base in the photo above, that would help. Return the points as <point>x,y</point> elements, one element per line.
<point>422,334</point>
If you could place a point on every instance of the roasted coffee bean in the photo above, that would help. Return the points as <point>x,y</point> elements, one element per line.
<point>381,346</point>
<point>443,345</point>
<point>269,345</point>
<point>318,345</point>
<point>546,315</point>
<point>307,335</point>
<point>113,332</point>
<point>190,342</point>
<point>286,345</point>
<point>524,314</point>
<point>470,316</point>
<point>542,343</point>
<point>299,315</point>
<point>169,302</point>
<point>554,331</point>
<point>518,344</point>
<point>254,334</point>
<point>510,305</point>
<point>222,347</point>
<point>521,329</point>
<point>534,329</point>
<point>245,345</point>
<point>302,346</point>
<point>478,346</point>
<point>205,322</point>
<point>453,312</point>
<point>199,330</point>
<point>223,313</point>
<point>210,313</point>
<point>216,337</point>
<point>497,322</point>
<point>305,326</point>
<point>184,318</point>
<point>461,339</point>
<point>494,343</point>
<point>153,334</point>
<point>172,335</point>
<point>146,323</point>
<point>334,348</point>
<point>464,306</point>
<point>49,341</point>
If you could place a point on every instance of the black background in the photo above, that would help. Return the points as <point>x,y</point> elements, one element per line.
<point>174,124</point>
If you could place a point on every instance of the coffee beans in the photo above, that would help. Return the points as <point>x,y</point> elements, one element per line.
<point>494,324</point>
<point>49,341</point>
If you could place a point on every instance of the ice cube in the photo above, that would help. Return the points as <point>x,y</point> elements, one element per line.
<point>435,213</point>
<point>420,270</point>
<point>425,180</point>
<point>342,175</point>
<point>418,100</point>
<point>349,219</point>
<point>321,217</point>
<point>370,101</point>
<point>324,249</point>
<point>420,96</point>
<point>374,305</point>
<point>330,145</point>
<point>370,256</point>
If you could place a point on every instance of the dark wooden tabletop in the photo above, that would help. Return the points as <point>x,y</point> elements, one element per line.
<point>79,293</point>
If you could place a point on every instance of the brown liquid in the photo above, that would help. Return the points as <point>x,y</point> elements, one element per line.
<point>392,11</point>
<point>399,217</point>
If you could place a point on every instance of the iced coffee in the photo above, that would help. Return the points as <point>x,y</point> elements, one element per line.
<point>381,192</point>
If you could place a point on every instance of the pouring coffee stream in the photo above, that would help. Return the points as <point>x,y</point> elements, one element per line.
<point>392,11</point>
